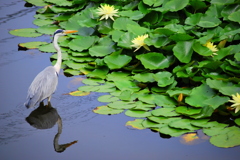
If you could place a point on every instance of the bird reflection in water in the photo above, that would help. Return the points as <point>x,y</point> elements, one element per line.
<point>45,117</point>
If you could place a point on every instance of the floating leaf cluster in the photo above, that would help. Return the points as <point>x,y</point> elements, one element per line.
<point>181,75</point>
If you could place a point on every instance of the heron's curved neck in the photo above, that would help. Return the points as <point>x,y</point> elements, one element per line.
<point>57,66</point>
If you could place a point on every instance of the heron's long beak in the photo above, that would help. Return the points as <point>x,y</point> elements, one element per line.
<point>70,31</point>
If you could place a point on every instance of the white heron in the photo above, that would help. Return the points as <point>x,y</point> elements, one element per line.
<point>45,83</point>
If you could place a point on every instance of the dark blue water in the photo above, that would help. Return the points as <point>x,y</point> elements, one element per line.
<point>99,137</point>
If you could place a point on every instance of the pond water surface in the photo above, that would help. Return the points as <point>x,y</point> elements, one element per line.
<point>99,137</point>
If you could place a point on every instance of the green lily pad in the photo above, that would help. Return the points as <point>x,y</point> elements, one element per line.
<point>174,5</point>
<point>218,128</point>
<point>107,98</point>
<point>183,51</point>
<point>143,106</point>
<point>193,19</point>
<point>126,85</point>
<point>88,88</point>
<point>183,124</point>
<point>164,120</point>
<point>144,77</point>
<point>100,51</point>
<point>164,101</point>
<point>147,98</point>
<point>120,23</point>
<point>122,105</point>
<point>117,61</point>
<point>229,138</point>
<point>106,110</point>
<point>199,95</point>
<point>188,110</point>
<point>166,112</point>
<point>42,22</point>
<point>137,113</point>
<point>177,91</point>
<point>136,124</point>
<point>237,121</point>
<point>115,76</point>
<point>226,88</point>
<point>154,60</point>
<point>163,78</point>
<point>25,32</point>
<point>150,124</point>
<point>174,132</point>
<point>47,29</point>
<point>126,95</point>
<point>31,45</point>
<point>92,82</point>
<point>136,30</point>
<point>82,43</point>
<point>47,48</point>
<point>202,50</point>
<point>99,73</point>
<point>72,71</point>
<point>207,21</point>
<point>134,15</point>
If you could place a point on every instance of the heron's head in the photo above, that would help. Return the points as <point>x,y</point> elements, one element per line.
<point>61,32</point>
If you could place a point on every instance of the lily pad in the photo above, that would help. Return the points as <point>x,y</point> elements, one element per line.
<point>107,98</point>
<point>106,110</point>
<point>144,77</point>
<point>137,113</point>
<point>229,138</point>
<point>79,93</point>
<point>199,95</point>
<point>188,110</point>
<point>117,61</point>
<point>25,32</point>
<point>122,105</point>
<point>31,45</point>
<point>163,78</point>
<point>174,132</point>
<point>183,124</point>
<point>166,112</point>
<point>136,124</point>
<point>154,60</point>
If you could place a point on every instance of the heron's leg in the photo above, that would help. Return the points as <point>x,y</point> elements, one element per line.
<point>49,98</point>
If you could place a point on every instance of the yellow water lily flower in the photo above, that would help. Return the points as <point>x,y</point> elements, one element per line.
<point>139,42</point>
<point>212,47</point>
<point>107,11</point>
<point>236,101</point>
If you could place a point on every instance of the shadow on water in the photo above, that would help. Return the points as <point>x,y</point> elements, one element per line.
<point>45,117</point>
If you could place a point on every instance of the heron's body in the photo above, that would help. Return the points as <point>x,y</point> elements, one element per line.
<point>45,83</point>
<point>42,87</point>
